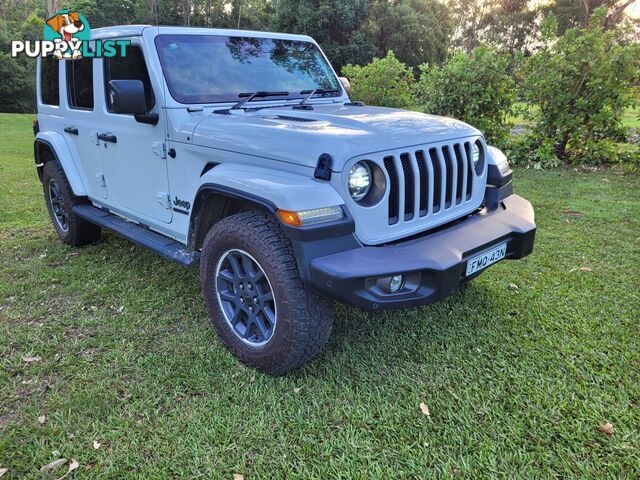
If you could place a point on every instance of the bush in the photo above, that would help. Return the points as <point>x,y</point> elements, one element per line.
<point>581,82</point>
<point>475,88</point>
<point>385,81</point>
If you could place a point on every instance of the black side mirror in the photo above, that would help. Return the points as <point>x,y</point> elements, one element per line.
<point>127,96</point>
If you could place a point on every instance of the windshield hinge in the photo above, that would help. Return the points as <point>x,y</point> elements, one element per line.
<point>323,167</point>
<point>160,149</point>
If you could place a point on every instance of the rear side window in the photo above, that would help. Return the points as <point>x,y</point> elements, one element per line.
<point>129,67</point>
<point>80,83</point>
<point>49,91</point>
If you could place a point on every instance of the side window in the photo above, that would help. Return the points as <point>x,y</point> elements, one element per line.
<point>129,67</point>
<point>49,91</point>
<point>80,83</point>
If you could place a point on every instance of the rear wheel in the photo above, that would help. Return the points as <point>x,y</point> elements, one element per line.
<point>257,302</point>
<point>60,201</point>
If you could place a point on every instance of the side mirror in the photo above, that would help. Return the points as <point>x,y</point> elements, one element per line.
<point>346,84</point>
<point>127,96</point>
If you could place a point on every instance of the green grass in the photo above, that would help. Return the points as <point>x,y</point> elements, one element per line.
<point>518,371</point>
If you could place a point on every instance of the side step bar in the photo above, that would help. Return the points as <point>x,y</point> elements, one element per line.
<point>156,242</point>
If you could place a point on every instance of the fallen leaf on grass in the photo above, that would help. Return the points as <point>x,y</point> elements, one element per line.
<point>573,213</point>
<point>42,419</point>
<point>513,286</point>
<point>424,409</point>
<point>31,359</point>
<point>3,471</point>
<point>53,465</point>
<point>252,379</point>
<point>606,428</point>
<point>72,466</point>
<point>237,476</point>
<point>96,444</point>
<point>584,269</point>
<point>297,389</point>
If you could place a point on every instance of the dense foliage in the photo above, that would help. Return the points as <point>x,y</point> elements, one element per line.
<point>473,87</point>
<point>581,82</point>
<point>385,81</point>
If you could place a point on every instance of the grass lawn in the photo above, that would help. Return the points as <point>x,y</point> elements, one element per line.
<point>518,371</point>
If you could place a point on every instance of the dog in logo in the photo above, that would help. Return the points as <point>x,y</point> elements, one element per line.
<point>66,25</point>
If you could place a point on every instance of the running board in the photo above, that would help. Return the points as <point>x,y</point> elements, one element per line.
<point>144,237</point>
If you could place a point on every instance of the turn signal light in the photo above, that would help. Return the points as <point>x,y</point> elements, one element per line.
<point>290,218</point>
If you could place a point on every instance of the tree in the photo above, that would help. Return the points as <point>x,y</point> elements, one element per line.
<point>474,87</point>
<point>334,24</point>
<point>418,31</point>
<point>576,13</point>
<point>385,81</point>
<point>581,82</point>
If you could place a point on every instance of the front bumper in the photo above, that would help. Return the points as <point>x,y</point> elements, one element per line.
<point>435,262</point>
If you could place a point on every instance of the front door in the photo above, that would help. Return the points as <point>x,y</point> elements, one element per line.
<point>131,152</point>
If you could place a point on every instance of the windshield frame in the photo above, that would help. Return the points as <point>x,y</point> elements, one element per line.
<point>234,98</point>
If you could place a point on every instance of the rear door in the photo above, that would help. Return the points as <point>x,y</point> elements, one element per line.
<point>81,121</point>
<point>132,157</point>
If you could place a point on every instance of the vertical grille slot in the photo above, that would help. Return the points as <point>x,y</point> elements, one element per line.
<point>409,193</point>
<point>469,162</point>
<point>393,190</point>
<point>462,173</point>
<point>424,182</point>
<point>437,179</point>
<point>448,162</point>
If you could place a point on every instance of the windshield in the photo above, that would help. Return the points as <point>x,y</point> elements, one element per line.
<point>215,68</point>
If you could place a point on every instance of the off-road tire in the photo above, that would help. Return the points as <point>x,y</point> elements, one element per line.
<point>304,318</point>
<point>79,231</point>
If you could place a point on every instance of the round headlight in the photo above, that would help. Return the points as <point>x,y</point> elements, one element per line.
<point>475,153</point>
<point>359,181</point>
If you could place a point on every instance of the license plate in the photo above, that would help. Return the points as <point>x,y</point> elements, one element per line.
<point>485,259</point>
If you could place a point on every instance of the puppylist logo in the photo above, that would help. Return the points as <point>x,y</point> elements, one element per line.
<point>66,36</point>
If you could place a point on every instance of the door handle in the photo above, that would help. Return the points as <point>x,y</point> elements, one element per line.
<point>107,137</point>
<point>71,130</point>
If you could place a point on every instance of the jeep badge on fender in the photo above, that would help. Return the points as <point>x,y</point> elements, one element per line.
<point>286,193</point>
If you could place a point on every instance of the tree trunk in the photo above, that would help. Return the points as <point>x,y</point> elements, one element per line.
<point>561,148</point>
<point>52,7</point>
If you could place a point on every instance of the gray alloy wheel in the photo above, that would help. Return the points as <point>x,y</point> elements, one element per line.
<point>245,297</point>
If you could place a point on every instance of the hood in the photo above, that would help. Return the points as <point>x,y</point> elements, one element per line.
<point>301,136</point>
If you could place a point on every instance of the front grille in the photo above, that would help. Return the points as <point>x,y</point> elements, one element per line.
<point>431,181</point>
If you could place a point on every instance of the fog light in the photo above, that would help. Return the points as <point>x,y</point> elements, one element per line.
<point>396,283</point>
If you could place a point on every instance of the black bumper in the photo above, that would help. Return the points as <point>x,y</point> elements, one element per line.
<point>435,262</point>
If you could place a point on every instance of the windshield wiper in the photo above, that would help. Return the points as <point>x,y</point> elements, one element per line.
<point>248,96</point>
<point>310,93</point>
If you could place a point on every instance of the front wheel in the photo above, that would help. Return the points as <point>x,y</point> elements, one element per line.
<point>257,302</point>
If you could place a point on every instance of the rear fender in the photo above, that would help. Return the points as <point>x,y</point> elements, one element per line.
<point>61,152</point>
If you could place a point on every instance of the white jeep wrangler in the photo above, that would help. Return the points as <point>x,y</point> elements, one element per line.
<point>241,151</point>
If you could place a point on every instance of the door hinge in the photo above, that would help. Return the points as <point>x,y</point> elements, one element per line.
<point>101,181</point>
<point>160,149</point>
<point>164,199</point>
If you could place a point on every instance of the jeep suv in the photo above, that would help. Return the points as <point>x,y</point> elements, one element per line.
<point>242,152</point>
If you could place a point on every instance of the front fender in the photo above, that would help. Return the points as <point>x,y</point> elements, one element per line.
<point>276,189</point>
<point>58,145</point>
